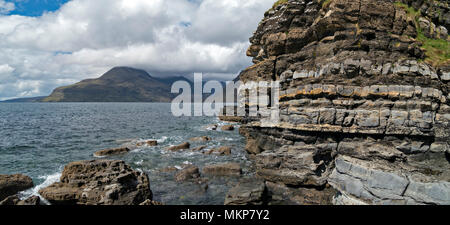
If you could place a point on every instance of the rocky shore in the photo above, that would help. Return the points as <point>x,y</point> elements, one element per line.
<point>364,103</point>
<point>364,116</point>
<point>113,182</point>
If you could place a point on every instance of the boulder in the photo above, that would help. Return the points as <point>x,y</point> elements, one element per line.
<point>13,184</point>
<point>188,173</point>
<point>224,150</point>
<point>226,169</point>
<point>183,146</point>
<point>99,182</point>
<point>228,128</point>
<point>249,191</point>
<point>201,139</point>
<point>111,152</point>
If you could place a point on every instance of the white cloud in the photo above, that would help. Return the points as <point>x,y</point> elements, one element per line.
<point>85,38</point>
<point>6,7</point>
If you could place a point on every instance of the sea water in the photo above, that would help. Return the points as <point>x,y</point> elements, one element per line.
<point>39,139</point>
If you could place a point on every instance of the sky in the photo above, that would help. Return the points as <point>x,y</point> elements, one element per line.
<point>45,44</point>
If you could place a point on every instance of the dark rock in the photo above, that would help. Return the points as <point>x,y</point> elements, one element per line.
<point>228,128</point>
<point>13,184</point>
<point>112,151</point>
<point>247,192</point>
<point>188,173</point>
<point>99,182</point>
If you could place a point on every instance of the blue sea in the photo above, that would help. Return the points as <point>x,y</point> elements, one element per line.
<point>39,139</point>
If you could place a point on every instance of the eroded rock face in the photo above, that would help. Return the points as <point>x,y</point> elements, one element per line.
<point>249,191</point>
<point>360,106</point>
<point>12,184</point>
<point>99,182</point>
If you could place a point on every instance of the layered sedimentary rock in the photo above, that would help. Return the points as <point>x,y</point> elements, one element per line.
<point>364,104</point>
<point>12,184</point>
<point>99,182</point>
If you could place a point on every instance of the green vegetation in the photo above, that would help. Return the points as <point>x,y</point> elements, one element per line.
<point>279,2</point>
<point>437,51</point>
<point>326,3</point>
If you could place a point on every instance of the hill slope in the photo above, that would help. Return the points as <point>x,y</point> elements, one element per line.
<point>120,84</point>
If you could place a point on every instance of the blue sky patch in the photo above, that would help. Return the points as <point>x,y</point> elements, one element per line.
<point>35,7</point>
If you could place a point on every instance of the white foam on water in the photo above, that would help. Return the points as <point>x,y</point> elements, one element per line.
<point>140,162</point>
<point>162,139</point>
<point>178,167</point>
<point>49,180</point>
<point>137,150</point>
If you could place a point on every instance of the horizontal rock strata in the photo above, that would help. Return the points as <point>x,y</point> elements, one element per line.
<point>364,103</point>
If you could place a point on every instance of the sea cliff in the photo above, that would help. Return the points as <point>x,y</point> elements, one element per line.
<point>364,102</point>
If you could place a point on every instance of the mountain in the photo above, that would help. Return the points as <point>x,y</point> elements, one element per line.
<point>120,84</point>
<point>22,100</point>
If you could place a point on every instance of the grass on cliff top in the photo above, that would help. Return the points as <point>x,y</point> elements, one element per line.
<point>437,51</point>
<point>279,2</point>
